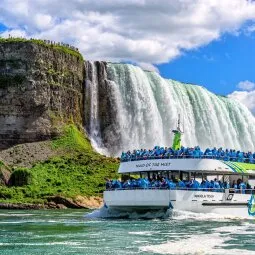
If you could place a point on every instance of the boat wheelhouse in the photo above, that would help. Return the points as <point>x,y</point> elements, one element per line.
<point>195,183</point>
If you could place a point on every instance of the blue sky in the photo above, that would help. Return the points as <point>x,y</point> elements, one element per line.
<point>2,27</point>
<point>219,66</point>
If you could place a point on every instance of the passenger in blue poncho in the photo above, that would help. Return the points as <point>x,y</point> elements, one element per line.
<point>181,184</point>
<point>242,187</point>
<point>214,152</point>
<point>233,155</point>
<point>204,184</point>
<point>134,183</point>
<point>226,185</point>
<point>126,184</point>
<point>211,184</point>
<point>171,184</point>
<point>251,159</point>
<point>189,183</point>
<point>195,184</point>
<point>235,186</point>
<point>209,153</point>
<point>196,152</point>
<point>116,184</point>
<point>190,152</point>
<point>108,184</point>
<point>123,156</point>
<point>216,185</point>
<point>240,156</point>
<point>164,183</point>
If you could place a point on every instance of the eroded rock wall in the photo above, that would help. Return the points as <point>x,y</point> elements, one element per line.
<point>40,90</point>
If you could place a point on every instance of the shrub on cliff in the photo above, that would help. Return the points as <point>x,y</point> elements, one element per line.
<point>20,177</point>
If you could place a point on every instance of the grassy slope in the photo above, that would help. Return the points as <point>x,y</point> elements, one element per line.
<point>77,171</point>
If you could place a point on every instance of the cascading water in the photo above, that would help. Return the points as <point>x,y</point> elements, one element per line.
<point>92,105</point>
<point>144,109</point>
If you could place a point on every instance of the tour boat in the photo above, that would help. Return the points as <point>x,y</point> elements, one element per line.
<point>224,200</point>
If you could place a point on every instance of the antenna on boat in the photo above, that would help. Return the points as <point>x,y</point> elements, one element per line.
<point>179,123</point>
<point>177,135</point>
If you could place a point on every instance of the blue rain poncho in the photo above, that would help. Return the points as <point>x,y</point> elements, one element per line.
<point>116,184</point>
<point>181,184</point>
<point>171,184</point>
<point>195,184</point>
<point>242,186</point>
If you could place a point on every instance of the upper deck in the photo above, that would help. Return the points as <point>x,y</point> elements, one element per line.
<point>179,158</point>
<point>204,164</point>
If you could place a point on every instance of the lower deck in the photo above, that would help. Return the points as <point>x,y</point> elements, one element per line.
<point>222,202</point>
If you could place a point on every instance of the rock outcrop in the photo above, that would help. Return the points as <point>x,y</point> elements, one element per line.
<point>41,88</point>
<point>5,175</point>
<point>28,154</point>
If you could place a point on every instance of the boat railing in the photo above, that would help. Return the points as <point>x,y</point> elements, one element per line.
<point>225,158</point>
<point>222,190</point>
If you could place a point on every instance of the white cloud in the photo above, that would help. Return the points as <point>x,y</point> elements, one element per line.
<point>245,97</point>
<point>43,21</point>
<point>246,85</point>
<point>251,29</point>
<point>141,31</point>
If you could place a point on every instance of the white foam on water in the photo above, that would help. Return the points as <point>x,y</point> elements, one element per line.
<point>36,221</point>
<point>194,245</point>
<point>183,215</point>
<point>197,245</point>
<point>144,233</point>
<point>245,229</point>
<point>214,243</point>
<point>68,243</point>
<point>99,213</point>
<point>16,214</point>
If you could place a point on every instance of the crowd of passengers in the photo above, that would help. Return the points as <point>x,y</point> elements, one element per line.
<point>196,152</point>
<point>165,183</point>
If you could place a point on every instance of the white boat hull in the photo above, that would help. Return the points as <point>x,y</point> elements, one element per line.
<point>224,203</point>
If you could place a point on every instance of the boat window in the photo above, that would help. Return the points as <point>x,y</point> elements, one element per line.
<point>198,177</point>
<point>251,181</point>
<point>184,176</point>
<point>175,176</point>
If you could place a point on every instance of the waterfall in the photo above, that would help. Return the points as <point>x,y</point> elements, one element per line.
<point>91,106</point>
<point>141,108</point>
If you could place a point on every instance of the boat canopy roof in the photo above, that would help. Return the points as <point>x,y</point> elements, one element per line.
<point>187,164</point>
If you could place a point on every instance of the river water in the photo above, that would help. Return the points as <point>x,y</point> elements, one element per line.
<point>82,232</point>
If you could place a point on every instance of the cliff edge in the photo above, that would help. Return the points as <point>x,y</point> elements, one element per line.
<point>41,87</point>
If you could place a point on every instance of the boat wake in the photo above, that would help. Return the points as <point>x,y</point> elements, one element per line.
<point>105,213</point>
<point>183,215</point>
<point>219,241</point>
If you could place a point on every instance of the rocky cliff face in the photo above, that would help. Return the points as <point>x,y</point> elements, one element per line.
<point>41,88</point>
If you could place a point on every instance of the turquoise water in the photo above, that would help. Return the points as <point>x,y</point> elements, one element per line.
<point>81,232</point>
